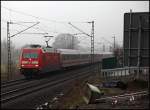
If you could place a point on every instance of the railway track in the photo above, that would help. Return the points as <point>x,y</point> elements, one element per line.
<point>128,100</point>
<point>16,93</point>
<point>12,82</point>
<point>13,85</point>
<point>124,97</point>
<point>21,81</point>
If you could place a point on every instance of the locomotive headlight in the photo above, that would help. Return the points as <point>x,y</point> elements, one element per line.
<point>36,65</point>
<point>34,62</point>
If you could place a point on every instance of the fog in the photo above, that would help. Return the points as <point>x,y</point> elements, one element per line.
<point>55,15</point>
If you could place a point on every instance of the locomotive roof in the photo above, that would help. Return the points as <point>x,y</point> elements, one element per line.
<point>63,51</point>
<point>71,51</point>
<point>68,51</point>
<point>43,48</point>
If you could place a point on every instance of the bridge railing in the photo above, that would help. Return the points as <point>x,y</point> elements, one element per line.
<point>126,73</point>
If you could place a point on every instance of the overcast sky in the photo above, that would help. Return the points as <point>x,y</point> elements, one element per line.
<point>54,16</point>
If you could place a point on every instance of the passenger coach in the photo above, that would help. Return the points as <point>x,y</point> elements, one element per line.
<point>36,60</point>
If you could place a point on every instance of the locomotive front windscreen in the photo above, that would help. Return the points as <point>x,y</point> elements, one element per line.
<point>30,55</point>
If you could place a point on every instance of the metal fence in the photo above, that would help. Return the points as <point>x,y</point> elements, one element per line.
<point>125,74</point>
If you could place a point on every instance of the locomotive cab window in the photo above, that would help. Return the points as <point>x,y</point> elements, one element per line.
<point>30,55</point>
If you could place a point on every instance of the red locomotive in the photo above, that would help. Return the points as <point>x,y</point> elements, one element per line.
<point>35,59</point>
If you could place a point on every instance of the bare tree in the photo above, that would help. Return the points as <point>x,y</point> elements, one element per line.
<point>66,41</point>
<point>4,57</point>
<point>118,53</point>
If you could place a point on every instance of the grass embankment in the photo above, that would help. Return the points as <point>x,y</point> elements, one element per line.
<point>75,94</point>
<point>137,85</point>
<point>4,73</point>
<point>74,97</point>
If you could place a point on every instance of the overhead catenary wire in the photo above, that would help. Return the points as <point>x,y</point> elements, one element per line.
<point>41,18</point>
<point>107,40</point>
<point>22,33</point>
<point>41,33</point>
<point>25,29</point>
<point>19,23</point>
<point>26,14</point>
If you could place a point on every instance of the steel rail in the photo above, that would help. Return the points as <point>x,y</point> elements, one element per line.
<point>123,96</point>
<point>10,83</point>
<point>7,82</point>
<point>54,78</point>
<point>13,83</point>
<point>38,87</point>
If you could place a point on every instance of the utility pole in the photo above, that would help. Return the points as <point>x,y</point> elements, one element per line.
<point>110,48</point>
<point>92,43</point>
<point>139,46</point>
<point>130,31</point>
<point>9,52</point>
<point>114,41</point>
<point>92,39</point>
<point>103,47</point>
<point>72,42</point>
<point>9,74</point>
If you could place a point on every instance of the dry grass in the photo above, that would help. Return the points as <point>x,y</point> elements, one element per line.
<point>75,94</point>
<point>74,98</point>
<point>3,72</point>
<point>4,75</point>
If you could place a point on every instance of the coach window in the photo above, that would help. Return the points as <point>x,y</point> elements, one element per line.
<point>75,57</point>
<point>71,57</point>
<point>78,56</point>
<point>66,57</point>
<point>82,56</point>
<point>63,57</point>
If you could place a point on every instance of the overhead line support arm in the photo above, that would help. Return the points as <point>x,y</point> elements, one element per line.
<point>79,29</point>
<point>24,29</point>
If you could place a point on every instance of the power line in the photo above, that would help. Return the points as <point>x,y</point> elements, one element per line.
<point>37,17</point>
<point>23,13</point>
<point>49,27</point>
<point>41,18</point>
<point>114,41</point>
<point>19,23</point>
<point>79,29</point>
<point>25,29</point>
<point>107,40</point>
<point>9,29</point>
